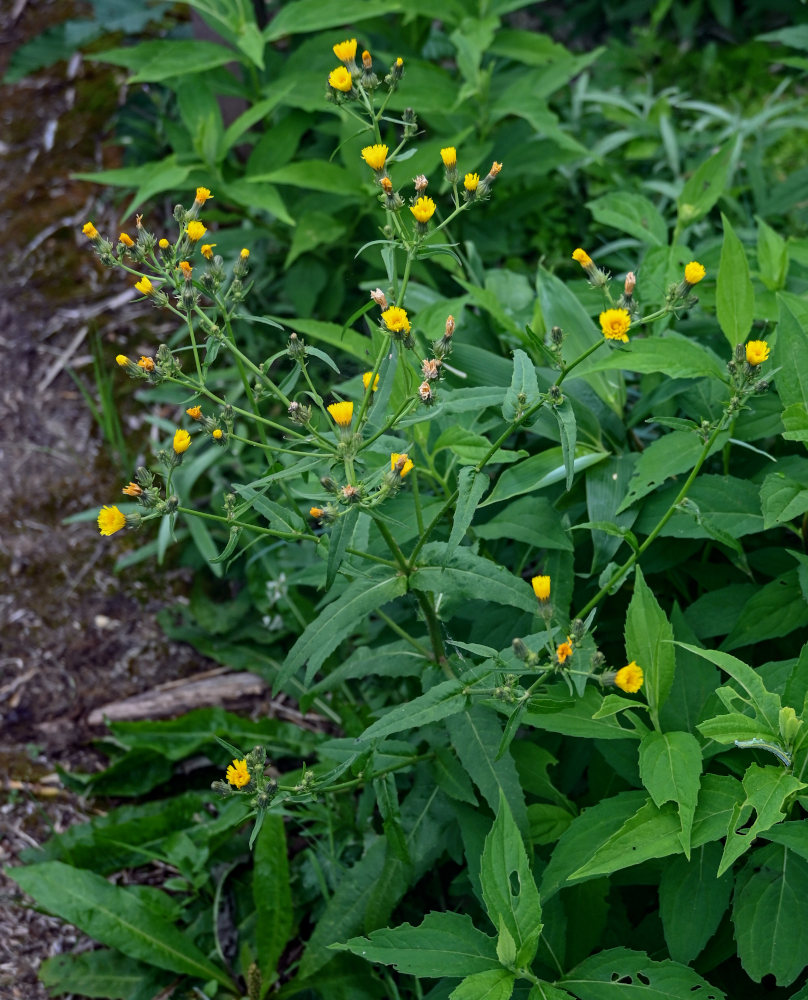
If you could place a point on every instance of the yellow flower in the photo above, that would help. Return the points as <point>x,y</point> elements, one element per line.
<point>245,253</point>
<point>629,678</point>
<point>195,231</point>
<point>147,364</point>
<point>194,412</point>
<point>405,467</point>
<point>132,490</point>
<point>207,250</point>
<point>110,520</point>
<point>182,441</point>
<point>449,157</point>
<point>144,286</point>
<point>396,320</point>
<point>470,182</point>
<point>615,324</point>
<point>342,413</point>
<point>375,156</point>
<point>423,209</point>
<point>186,269</point>
<point>694,272</point>
<point>90,231</point>
<point>564,651</point>
<point>122,360</point>
<point>164,244</point>
<point>582,257</point>
<point>315,512</point>
<point>202,195</point>
<point>217,435</point>
<point>346,51</point>
<point>238,774</point>
<point>399,62</point>
<point>340,79</point>
<point>541,587</point>
<point>126,240</point>
<point>366,380</point>
<point>756,352</point>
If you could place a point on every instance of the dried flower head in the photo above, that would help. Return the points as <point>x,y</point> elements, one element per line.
<point>564,651</point>
<point>146,363</point>
<point>379,298</point>
<point>430,368</point>
<point>425,393</point>
<point>194,412</point>
<point>401,463</point>
<point>132,490</point>
<point>186,269</point>
<point>421,183</point>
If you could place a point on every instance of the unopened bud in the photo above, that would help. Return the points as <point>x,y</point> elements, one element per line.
<point>557,336</point>
<point>520,650</point>
<point>299,413</point>
<point>328,483</point>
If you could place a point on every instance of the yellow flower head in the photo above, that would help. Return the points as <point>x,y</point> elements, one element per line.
<point>423,209</point>
<point>375,156</point>
<point>194,412</point>
<point>126,240</point>
<point>757,351</point>
<point>110,520</point>
<point>186,269</point>
<point>90,231</point>
<point>615,324</point>
<point>122,360</point>
<point>541,587</point>
<point>694,272</point>
<point>470,182</point>
<point>564,651</point>
<point>342,413</point>
<point>629,678</point>
<point>182,441</point>
<point>405,466</point>
<point>245,253</point>
<point>340,79</point>
<point>366,377</point>
<point>238,774</point>
<point>202,195</point>
<point>399,62</point>
<point>396,320</point>
<point>207,250</point>
<point>217,435</point>
<point>316,512</point>
<point>346,51</point>
<point>144,286</point>
<point>449,157</point>
<point>132,490</point>
<point>195,230</point>
<point>164,244</point>
<point>147,364</point>
<point>582,257</point>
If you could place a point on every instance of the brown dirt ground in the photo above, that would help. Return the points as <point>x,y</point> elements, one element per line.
<point>73,633</point>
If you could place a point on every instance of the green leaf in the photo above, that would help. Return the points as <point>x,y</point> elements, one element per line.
<point>733,726</point>
<point>782,499</point>
<point>313,229</point>
<point>339,538</point>
<point>610,974</point>
<point>772,253</point>
<point>471,485</point>
<point>670,768</point>
<point>767,789</point>
<point>497,984</point>
<point>538,471</point>
<point>676,355</point>
<point>547,822</point>
<point>568,430</point>
<point>692,901</point>
<point>437,703</point>
<point>514,904</point>
<point>545,991</point>
<point>314,175</point>
<point>576,716</point>
<point>524,388</point>
<point>102,973</point>
<point>345,339</point>
<point>705,186</point>
<point>770,914</point>
<point>633,214</point>
<point>303,16</point>
<point>116,917</point>
<point>451,778</point>
<point>271,895</point>
<point>252,196</point>
<point>444,944</point>
<point>322,636</point>
<point>649,643</point>
<point>791,355</point>
<point>154,62</point>
<point>475,735</point>
<point>734,296</point>
<point>464,574</point>
<point>532,520</point>
<point>775,610</point>
<point>667,456</point>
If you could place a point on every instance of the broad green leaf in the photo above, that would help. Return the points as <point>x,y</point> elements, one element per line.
<point>497,984</point>
<point>303,16</point>
<point>791,355</point>
<point>770,914</point>
<point>575,716</point>
<point>670,768</point>
<point>475,735</point>
<point>444,944</point>
<point>547,822</point>
<point>524,388</point>
<point>649,643</point>
<point>613,974</point>
<point>437,703</point>
<point>322,636</point>
<point>271,895</point>
<point>772,253</point>
<point>775,610</point>
<point>782,499</point>
<point>546,991</point>
<point>767,789</point>
<point>452,778</point>
<point>471,485</point>
<point>734,296</point>
<point>676,355</point>
<point>667,456</point>
<point>338,541</point>
<point>314,175</point>
<point>102,973</point>
<point>568,431</point>
<point>313,229</point>
<point>464,574</point>
<point>156,61</point>
<point>725,503</point>
<point>631,213</point>
<point>116,917</point>
<point>532,520</point>
<point>733,726</point>
<point>509,891</point>
<point>705,186</point>
<point>692,901</point>
<point>538,471</point>
<point>253,196</point>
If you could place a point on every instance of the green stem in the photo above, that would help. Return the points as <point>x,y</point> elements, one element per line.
<point>192,335</point>
<point>395,627</point>
<point>435,635</point>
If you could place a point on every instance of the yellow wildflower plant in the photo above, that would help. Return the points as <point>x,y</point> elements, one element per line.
<point>340,79</point>
<point>238,774</point>
<point>629,678</point>
<point>471,182</point>
<point>366,377</point>
<point>195,230</point>
<point>122,360</point>
<point>164,244</point>
<point>423,209</point>
<point>396,320</point>
<point>144,286</point>
<point>615,324</point>
<point>694,272</point>
<point>407,465</point>
<point>346,51</point>
<point>541,587</point>
<point>202,195</point>
<point>217,434</point>
<point>132,489</point>
<point>182,441</point>
<point>757,351</point>
<point>245,253</point>
<point>342,413</point>
<point>375,156</point>
<point>110,520</point>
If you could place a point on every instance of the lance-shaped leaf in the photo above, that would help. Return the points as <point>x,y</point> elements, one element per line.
<point>649,642</point>
<point>734,296</point>
<point>670,768</point>
<point>471,485</point>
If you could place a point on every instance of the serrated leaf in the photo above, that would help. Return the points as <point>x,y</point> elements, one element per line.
<point>705,186</point>
<point>271,895</point>
<point>539,471</point>
<point>437,703</point>
<point>782,499</point>
<point>676,355</point>
<point>734,296</point>
<point>339,539</point>
<point>649,642</point>
<point>630,213</point>
<point>497,984</point>
<point>464,574</point>
<point>568,430</point>
<point>692,901</point>
<point>101,973</point>
<point>610,974</point>
<point>471,485</point>
<point>524,388</point>
<point>670,768</point>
